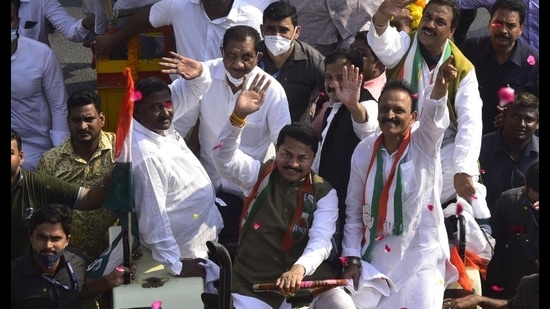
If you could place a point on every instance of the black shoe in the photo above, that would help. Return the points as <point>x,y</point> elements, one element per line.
<point>89,38</point>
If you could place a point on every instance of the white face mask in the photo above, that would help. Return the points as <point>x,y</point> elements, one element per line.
<point>235,81</point>
<point>277,44</point>
<point>13,35</point>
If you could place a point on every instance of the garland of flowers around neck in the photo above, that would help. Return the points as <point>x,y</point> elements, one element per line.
<point>416,9</point>
<point>133,55</point>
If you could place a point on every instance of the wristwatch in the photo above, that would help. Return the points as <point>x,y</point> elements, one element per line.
<point>352,260</point>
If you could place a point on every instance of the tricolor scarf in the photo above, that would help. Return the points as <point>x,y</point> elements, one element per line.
<point>384,219</point>
<point>261,190</point>
<point>411,70</point>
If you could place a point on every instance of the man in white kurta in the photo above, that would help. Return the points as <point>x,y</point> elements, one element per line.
<point>38,98</point>
<point>198,25</point>
<point>173,195</point>
<point>402,52</point>
<point>408,247</point>
<point>262,127</point>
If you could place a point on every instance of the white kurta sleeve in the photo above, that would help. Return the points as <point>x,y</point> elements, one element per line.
<point>70,27</point>
<point>323,227</point>
<point>232,163</point>
<point>53,84</point>
<point>390,47</point>
<point>370,126</point>
<point>468,107</point>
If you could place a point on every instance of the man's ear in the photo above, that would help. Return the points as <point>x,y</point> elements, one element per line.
<point>298,30</point>
<point>258,57</point>
<point>414,116</point>
<point>102,118</point>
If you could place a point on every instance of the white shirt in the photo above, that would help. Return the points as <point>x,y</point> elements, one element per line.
<point>132,4</point>
<point>38,99</point>
<point>196,35</point>
<point>261,129</point>
<point>33,17</point>
<point>423,244</point>
<point>173,195</point>
<point>461,146</point>
<point>243,171</point>
<point>361,130</point>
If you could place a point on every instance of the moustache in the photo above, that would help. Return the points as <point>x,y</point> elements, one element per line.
<point>394,121</point>
<point>47,252</point>
<point>427,29</point>
<point>502,36</point>
<point>293,169</point>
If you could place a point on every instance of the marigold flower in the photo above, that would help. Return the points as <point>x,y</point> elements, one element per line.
<point>416,9</point>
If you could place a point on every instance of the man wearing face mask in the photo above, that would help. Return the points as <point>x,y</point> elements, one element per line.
<point>240,56</point>
<point>53,275</point>
<point>296,65</point>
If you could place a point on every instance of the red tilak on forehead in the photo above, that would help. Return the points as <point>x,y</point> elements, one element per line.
<point>496,25</point>
<point>168,104</point>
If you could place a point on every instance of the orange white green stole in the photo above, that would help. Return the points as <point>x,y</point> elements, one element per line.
<point>384,220</point>
<point>411,69</point>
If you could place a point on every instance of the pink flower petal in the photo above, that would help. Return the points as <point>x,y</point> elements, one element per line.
<point>473,197</point>
<point>256,225</point>
<point>157,304</point>
<point>482,171</point>
<point>430,207</point>
<point>136,95</point>
<point>379,237</point>
<point>414,96</point>
<point>459,209</point>
<point>387,248</point>
<point>343,260</point>
<point>496,288</point>
<point>506,95</point>
<point>218,146</point>
<point>531,60</point>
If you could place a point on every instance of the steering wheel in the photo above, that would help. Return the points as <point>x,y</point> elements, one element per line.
<point>307,292</point>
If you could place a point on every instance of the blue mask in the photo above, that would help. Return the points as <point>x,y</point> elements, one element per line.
<point>48,260</point>
<point>14,35</point>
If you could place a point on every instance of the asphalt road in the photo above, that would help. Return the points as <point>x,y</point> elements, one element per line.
<point>75,58</point>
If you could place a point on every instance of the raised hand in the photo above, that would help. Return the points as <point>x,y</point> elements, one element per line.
<point>350,86</point>
<point>447,73</point>
<point>389,8</point>
<point>186,67</point>
<point>252,96</point>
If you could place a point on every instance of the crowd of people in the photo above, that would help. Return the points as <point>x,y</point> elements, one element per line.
<point>313,139</point>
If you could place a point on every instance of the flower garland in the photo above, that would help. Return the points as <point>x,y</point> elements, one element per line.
<point>133,55</point>
<point>416,9</point>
